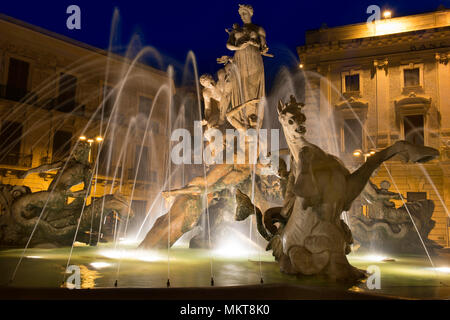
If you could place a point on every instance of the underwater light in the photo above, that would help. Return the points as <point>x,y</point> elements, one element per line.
<point>127,241</point>
<point>236,245</point>
<point>443,269</point>
<point>375,258</point>
<point>100,265</point>
<point>231,248</point>
<point>141,255</point>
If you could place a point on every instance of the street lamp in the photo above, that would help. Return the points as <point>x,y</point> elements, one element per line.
<point>387,14</point>
<point>99,139</point>
<point>366,154</point>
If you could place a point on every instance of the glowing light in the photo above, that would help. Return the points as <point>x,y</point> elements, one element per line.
<point>300,65</point>
<point>147,256</point>
<point>90,140</point>
<point>372,152</point>
<point>387,14</point>
<point>99,139</point>
<point>375,258</point>
<point>443,269</point>
<point>80,244</point>
<point>100,265</point>
<point>357,153</point>
<point>231,248</point>
<point>128,241</point>
<point>236,245</point>
<point>83,138</point>
<point>389,27</point>
<point>34,257</point>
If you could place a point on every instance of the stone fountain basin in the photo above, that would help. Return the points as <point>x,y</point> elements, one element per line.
<point>143,274</point>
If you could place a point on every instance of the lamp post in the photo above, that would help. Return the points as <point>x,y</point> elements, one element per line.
<point>387,14</point>
<point>97,139</point>
<point>365,154</point>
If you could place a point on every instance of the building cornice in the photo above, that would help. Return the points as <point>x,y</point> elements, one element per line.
<point>409,38</point>
<point>75,43</point>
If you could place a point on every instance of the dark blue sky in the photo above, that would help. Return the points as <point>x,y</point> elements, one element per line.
<point>175,27</point>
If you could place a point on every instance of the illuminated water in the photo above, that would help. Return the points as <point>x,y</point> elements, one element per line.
<point>408,276</point>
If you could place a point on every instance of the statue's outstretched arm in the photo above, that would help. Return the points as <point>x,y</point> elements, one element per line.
<point>43,168</point>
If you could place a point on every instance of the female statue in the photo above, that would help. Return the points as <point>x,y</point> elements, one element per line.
<point>249,43</point>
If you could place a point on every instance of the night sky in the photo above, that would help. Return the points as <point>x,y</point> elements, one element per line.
<point>175,27</point>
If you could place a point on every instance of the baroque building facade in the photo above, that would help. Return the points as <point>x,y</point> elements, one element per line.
<point>54,90</point>
<point>381,82</point>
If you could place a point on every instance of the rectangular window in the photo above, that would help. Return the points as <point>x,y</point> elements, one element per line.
<point>17,85</point>
<point>61,144</point>
<point>144,163</point>
<point>413,129</point>
<point>352,135</point>
<point>10,143</point>
<point>411,77</point>
<point>66,101</point>
<point>352,83</point>
<point>145,105</point>
<point>416,196</point>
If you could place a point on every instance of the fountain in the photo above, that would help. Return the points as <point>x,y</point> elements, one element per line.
<point>212,230</point>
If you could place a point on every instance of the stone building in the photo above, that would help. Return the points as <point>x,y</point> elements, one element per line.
<point>54,90</point>
<point>380,82</point>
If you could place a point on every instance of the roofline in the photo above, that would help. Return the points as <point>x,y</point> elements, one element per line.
<point>362,23</point>
<point>74,42</point>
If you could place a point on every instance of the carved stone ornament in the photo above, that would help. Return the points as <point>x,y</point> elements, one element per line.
<point>380,64</point>
<point>443,58</point>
